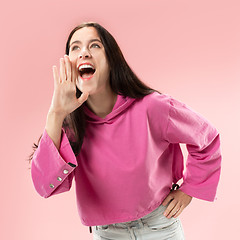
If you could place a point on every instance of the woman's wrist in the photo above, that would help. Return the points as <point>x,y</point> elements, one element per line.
<point>57,116</point>
<point>54,127</point>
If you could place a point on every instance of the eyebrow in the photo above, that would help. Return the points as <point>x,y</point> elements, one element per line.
<point>92,40</point>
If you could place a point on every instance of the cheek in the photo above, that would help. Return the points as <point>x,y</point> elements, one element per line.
<point>107,69</point>
<point>73,63</point>
<point>105,66</point>
<point>73,57</point>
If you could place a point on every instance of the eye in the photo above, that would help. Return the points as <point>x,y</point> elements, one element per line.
<point>95,45</point>
<point>75,48</point>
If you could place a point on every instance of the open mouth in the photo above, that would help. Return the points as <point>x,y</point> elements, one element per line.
<point>86,71</point>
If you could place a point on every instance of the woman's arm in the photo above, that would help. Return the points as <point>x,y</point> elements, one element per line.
<point>54,127</point>
<point>203,144</point>
<point>52,169</point>
<point>204,158</point>
<point>54,161</point>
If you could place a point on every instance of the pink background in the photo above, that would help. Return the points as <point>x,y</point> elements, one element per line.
<point>187,49</point>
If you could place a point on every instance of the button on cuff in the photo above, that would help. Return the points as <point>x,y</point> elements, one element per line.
<point>59,179</point>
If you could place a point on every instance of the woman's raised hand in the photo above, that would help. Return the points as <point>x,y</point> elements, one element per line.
<point>64,99</point>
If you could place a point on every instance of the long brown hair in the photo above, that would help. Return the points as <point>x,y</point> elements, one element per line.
<point>123,81</point>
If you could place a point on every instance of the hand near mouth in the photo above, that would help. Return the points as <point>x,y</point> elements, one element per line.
<point>64,99</point>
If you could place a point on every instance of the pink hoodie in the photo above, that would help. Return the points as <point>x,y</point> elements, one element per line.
<point>129,159</point>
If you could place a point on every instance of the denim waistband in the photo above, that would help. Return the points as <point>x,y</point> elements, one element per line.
<point>136,223</point>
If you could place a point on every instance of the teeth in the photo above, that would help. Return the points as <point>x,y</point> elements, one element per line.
<point>85,66</point>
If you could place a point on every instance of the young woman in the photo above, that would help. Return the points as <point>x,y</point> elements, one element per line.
<point>120,140</point>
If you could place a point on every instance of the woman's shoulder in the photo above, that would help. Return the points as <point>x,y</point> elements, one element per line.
<point>157,100</point>
<point>156,105</point>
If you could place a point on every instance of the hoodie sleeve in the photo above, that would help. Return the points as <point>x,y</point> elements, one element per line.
<point>203,144</point>
<point>52,170</point>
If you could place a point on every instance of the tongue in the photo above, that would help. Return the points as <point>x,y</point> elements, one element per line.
<point>87,75</point>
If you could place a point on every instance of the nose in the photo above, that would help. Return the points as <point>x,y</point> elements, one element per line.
<point>84,54</point>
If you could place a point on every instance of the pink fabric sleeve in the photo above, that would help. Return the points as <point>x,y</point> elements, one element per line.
<point>203,144</point>
<point>52,170</point>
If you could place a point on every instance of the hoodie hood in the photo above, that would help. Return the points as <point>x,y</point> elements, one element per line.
<point>121,104</point>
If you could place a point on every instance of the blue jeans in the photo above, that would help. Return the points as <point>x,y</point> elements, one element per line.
<point>153,226</point>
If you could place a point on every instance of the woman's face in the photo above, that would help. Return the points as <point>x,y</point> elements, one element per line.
<point>87,54</point>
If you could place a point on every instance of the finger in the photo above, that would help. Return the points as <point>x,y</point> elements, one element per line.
<point>169,208</point>
<point>174,210</point>
<point>179,212</point>
<point>68,68</point>
<point>83,98</point>
<point>168,199</point>
<point>62,70</point>
<point>55,76</point>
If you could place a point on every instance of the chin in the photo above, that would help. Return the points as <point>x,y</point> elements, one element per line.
<point>86,89</point>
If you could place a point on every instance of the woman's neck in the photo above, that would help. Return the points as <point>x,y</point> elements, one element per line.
<point>102,103</point>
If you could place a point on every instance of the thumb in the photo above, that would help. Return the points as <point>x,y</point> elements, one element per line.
<point>83,98</point>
